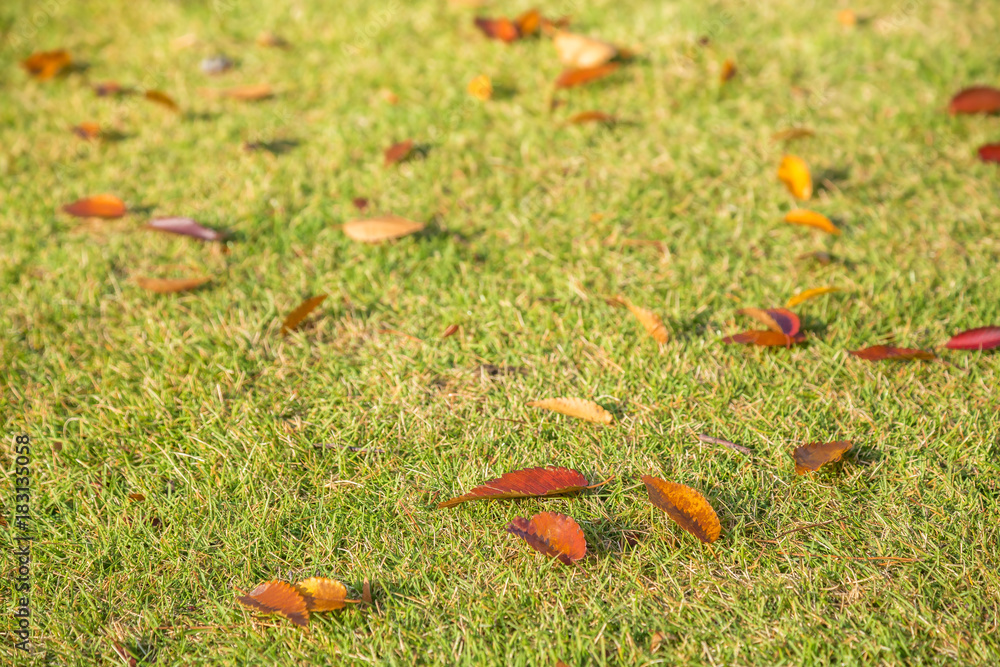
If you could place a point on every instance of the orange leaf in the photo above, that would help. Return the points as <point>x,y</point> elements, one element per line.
<point>87,130</point>
<point>296,316</point>
<point>978,99</point>
<point>481,88</point>
<point>398,152</point>
<point>501,28</point>
<point>383,228</point>
<point>577,77</point>
<point>450,331</point>
<point>591,117</point>
<point>581,52</point>
<point>552,534</point>
<point>780,320</point>
<point>98,206</point>
<point>575,407</point>
<point>649,320</point>
<point>847,18</point>
<point>528,23</point>
<point>170,285</point>
<point>687,507</point>
<point>801,216</point>
<point>162,98</point>
<point>526,483</point>
<point>278,597</point>
<point>805,295</point>
<point>251,93</point>
<point>794,173</point>
<point>765,339</point>
<point>322,594</point>
<point>46,64</point>
<point>728,70</point>
<point>809,458</point>
<point>884,352</point>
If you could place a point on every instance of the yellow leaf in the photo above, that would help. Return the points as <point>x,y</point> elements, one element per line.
<point>801,216</point>
<point>649,320</point>
<point>794,173</point>
<point>322,594</point>
<point>575,407</point>
<point>687,507</point>
<point>847,18</point>
<point>582,52</point>
<point>481,88</point>
<point>810,294</point>
<point>383,228</point>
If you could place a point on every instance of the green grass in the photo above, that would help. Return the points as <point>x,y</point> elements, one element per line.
<point>198,403</point>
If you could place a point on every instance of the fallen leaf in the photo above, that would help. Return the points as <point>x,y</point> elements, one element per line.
<point>136,497</point>
<point>765,339</point>
<point>528,23</point>
<point>847,18</point>
<point>170,285</point>
<point>87,130</point>
<point>776,319</point>
<point>580,52</point>
<point>989,153</point>
<point>687,507</point>
<point>162,98</point>
<point>322,594</point>
<point>578,77</point>
<point>655,641</point>
<point>217,64</point>
<point>526,483</point>
<point>185,227</point>
<point>481,88</point>
<point>123,653</point>
<point>809,458</point>
<point>251,93</point>
<point>108,89</point>
<point>98,206</point>
<point>46,64</point>
<point>575,407</point>
<point>278,597</point>
<point>977,99</point>
<point>983,338</point>
<point>728,70</point>
<point>501,28</point>
<point>820,256</point>
<point>884,352</point>
<point>794,173</point>
<point>591,117</point>
<point>807,218</point>
<point>650,321</point>
<point>450,331</point>
<point>805,295</point>
<point>398,152</point>
<point>792,133</point>
<point>360,203</point>
<point>388,96</point>
<point>366,592</point>
<point>552,534</point>
<point>271,40</point>
<point>383,228</point>
<point>295,317</point>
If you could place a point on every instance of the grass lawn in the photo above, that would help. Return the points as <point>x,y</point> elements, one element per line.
<point>197,402</point>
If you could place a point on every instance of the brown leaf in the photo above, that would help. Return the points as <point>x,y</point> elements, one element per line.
<point>780,320</point>
<point>136,497</point>
<point>801,216</point>
<point>450,331</point>
<point>765,339</point>
<point>382,228</point>
<point>398,152</point>
<point>87,130</point>
<point>162,98</point>
<point>687,507</point>
<point>322,594</point>
<point>171,285</point>
<point>728,70</point>
<point>649,320</point>
<point>360,203</point>
<point>655,641</point>
<point>792,133</point>
<point>109,89</point>
<point>977,99</point>
<point>185,227</point>
<point>500,28</point>
<point>366,592</point>
<point>575,407</point>
<point>251,93</point>
<point>809,458</point>
<point>300,313</point>
<point>278,597</point>
<point>552,534</point>
<point>794,173</point>
<point>46,64</point>
<point>581,52</point>
<point>592,117</point>
<point>271,40</point>
<point>98,206</point>
<point>526,483</point>
<point>883,352</point>
<point>578,77</point>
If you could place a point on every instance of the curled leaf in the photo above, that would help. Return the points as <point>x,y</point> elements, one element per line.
<point>526,483</point>
<point>728,70</point>
<point>98,206</point>
<point>398,152</point>
<point>687,507</point>
<point>888,352</point>
<point>977,99</point>
<point>809,458</point>
<point>322,594</point>
<point>450,331</point>
<point>983,338</point>
<point>575,407</point>
<point>300,313</point>
<point>481,88</point>
<point>776,319</point>
<point>185,227</point>
<point>162,99</point>
<point>573,77</point>
<point>805,295</point>
<point>989,153</point>
<point>801,216</point>
<point>46,64</point>
<point>383,228</point>
<point>501,28</point>
<point>553,534</point>
<point>278,597</point>
<point>794,173</point>
<point>171,285</point>
<point>581,52</point>
<point>765,339</point>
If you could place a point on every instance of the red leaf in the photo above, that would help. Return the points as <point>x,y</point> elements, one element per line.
<point>989,153</point>
<point>360,203</point>
<point>398,152</point>
<point>977,99</point>
<point>765,339</point>
<point>501,28</point>
<point>983,338</point>
<point>527,483</point>
<point>185,227</point>
<point>781,320</point>
<point>552,534</point>
<point>884,352</point>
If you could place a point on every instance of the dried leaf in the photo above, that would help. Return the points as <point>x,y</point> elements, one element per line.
<point>592,117</point>
<point>805,295</point>
<point>884,352</point>
<point>528,23</point>
<point>579,52</point>
<point>552,534</point>
<point>87,130</point>
<point>792,133</point>
<point>136,497</point>
<point>978,99</point>
<point>847,18</point>
<point>450,331</point>
<point>578,77</point>
<point>801,216</point>
<point>989,153</point>
<point>98,206</point>
<point>278,597</point>
<point>687,507</point>
<point>794,173</point>
<point>251,93</point>
<point>162,98</point>
<point>185,227</point>
<point>271,40</point>
<point>983,338</point>
<point>526,483</point>
<point>360,203</point>
<point>398,152</point>
<point>656,640</point>
<point>109,89</point>
<point>728,70</point>
<point>366,592</point>
<point>821,256</point>
<point>501,28</point>
<point>46,64</point>
<point>171,285</point>
<point>383,228</point>
<point>295,317</point>
<point>322,594</point>
<point>809,458</point>
<point>724,443</point>
<point>765,339</point>
<point>481,88</point>
<point>575,407</point>
<point>649,320</point>
<point>776,319</point>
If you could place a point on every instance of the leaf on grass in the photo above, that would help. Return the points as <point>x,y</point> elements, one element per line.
<point>847,18</point>
<point>724,443</point>
<point>809,458</point>
<point>526,483</point>
<point>592,117</point>
<point>295,317</point>
<point>821,256</point>
<point>382,228</point>
<point>765,339</point>
<point>366,592</point>
<point>794,173</point>
<point>278,597</point>
<point>649,320</point>
<point>322,594</point>
<point>728,70</point>
<point>185,227</point>
<point>360,203</point>
<point>528,23</point>
<point>575,407</point>
<point>162,99</point>
<point>98,206</point>
<point>687,507</point>
<point>450,331</point>
<point>552,534</point>
<point>983,338</point>
<point>792,133</point>
<point>578,77</point>
<point>776,319</point>
<point>501,28</point>
<point>271,40</point>
<point>136,497</point>
<point>807,218</point>
<point>251,93</point>
<point>884,352</point>
<point>171,285</point>
<point>977,99</point>
<point>398,152</point>
<point>580,52</point>
<point>805,295</point>
<point>481,88</point>
<point>87,130</point>
<point>109,89</point>
<point>46,64</point>
<point>989,153</point>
